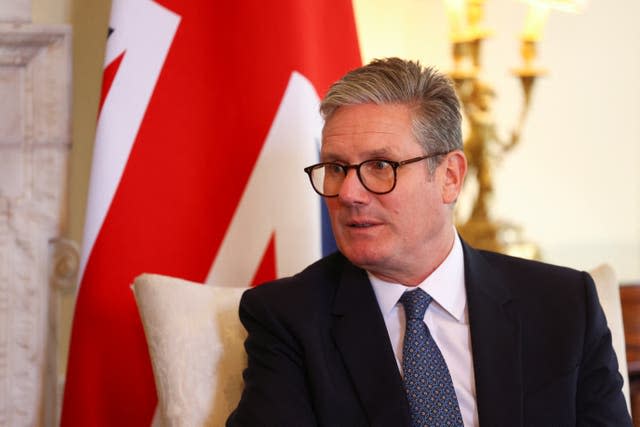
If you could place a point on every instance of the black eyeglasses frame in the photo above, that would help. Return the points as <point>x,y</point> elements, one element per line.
<point>395,165</point>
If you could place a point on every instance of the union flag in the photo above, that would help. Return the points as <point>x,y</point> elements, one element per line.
<point>209,112</point>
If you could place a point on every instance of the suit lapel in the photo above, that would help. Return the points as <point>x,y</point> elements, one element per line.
<point>496,342</point>
<point>362,339</point>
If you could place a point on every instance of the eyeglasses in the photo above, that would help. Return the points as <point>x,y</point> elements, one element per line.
<point>378,176</point>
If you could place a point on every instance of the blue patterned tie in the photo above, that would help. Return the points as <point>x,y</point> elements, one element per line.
<point>432,399</point>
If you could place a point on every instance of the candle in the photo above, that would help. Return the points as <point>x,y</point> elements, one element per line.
<point>456,10</point>
<point>539,11</point>
<point>536,18</point>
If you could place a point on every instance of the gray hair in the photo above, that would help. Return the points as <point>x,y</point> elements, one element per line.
<point>430,94</point>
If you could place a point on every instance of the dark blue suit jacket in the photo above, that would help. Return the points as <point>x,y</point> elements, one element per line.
<point>319,352</point>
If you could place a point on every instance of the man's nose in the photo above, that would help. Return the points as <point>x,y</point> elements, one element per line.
<point>352,190</point>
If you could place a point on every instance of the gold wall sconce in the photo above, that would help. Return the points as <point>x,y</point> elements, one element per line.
<point>483,144</point>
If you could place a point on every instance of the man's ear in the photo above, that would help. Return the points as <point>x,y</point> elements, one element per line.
<point>455,169</point>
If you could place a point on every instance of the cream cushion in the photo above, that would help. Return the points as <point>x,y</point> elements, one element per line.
<point>195,342</point>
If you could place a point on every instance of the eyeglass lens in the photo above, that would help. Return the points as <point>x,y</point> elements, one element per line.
<point>377,176</point>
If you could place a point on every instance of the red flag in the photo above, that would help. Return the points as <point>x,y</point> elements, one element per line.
<point>208,115</point>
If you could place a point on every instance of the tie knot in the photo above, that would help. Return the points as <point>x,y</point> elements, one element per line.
<point>415,303</point>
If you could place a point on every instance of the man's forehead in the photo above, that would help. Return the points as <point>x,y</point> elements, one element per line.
<point>333,134</point>
<point>361,113</point>
<point>368,121</point>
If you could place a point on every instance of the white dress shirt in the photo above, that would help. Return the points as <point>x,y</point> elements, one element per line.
<point>447,319</point>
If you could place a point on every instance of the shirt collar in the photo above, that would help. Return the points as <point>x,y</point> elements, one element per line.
<point>445,285</point>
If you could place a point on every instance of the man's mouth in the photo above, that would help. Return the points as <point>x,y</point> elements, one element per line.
<point>361,224</point>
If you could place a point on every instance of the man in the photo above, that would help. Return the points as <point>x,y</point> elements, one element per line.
<point>503,341</point>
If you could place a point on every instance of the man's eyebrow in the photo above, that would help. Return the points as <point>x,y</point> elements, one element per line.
<point>372,154</point>
<point>380,152</point>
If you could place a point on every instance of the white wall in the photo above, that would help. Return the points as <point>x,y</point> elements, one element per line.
<point>573,183</point>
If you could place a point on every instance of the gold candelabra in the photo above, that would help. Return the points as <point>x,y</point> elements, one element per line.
<point>483,144</point>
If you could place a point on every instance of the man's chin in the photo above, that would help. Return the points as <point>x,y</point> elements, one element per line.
<point>367,260</point>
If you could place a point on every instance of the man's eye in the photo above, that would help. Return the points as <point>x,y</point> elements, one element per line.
<point>379,165</point>
<point>333,169</point>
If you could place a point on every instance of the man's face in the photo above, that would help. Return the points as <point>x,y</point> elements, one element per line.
<point>397,235</point>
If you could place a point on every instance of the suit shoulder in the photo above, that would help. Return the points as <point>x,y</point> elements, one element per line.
<point>326,268</point>
<point>312,286</point>
<point>528,265</point>
<point>530,277</point>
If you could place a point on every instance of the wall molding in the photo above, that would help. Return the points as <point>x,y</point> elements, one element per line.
<point>35,264</point>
